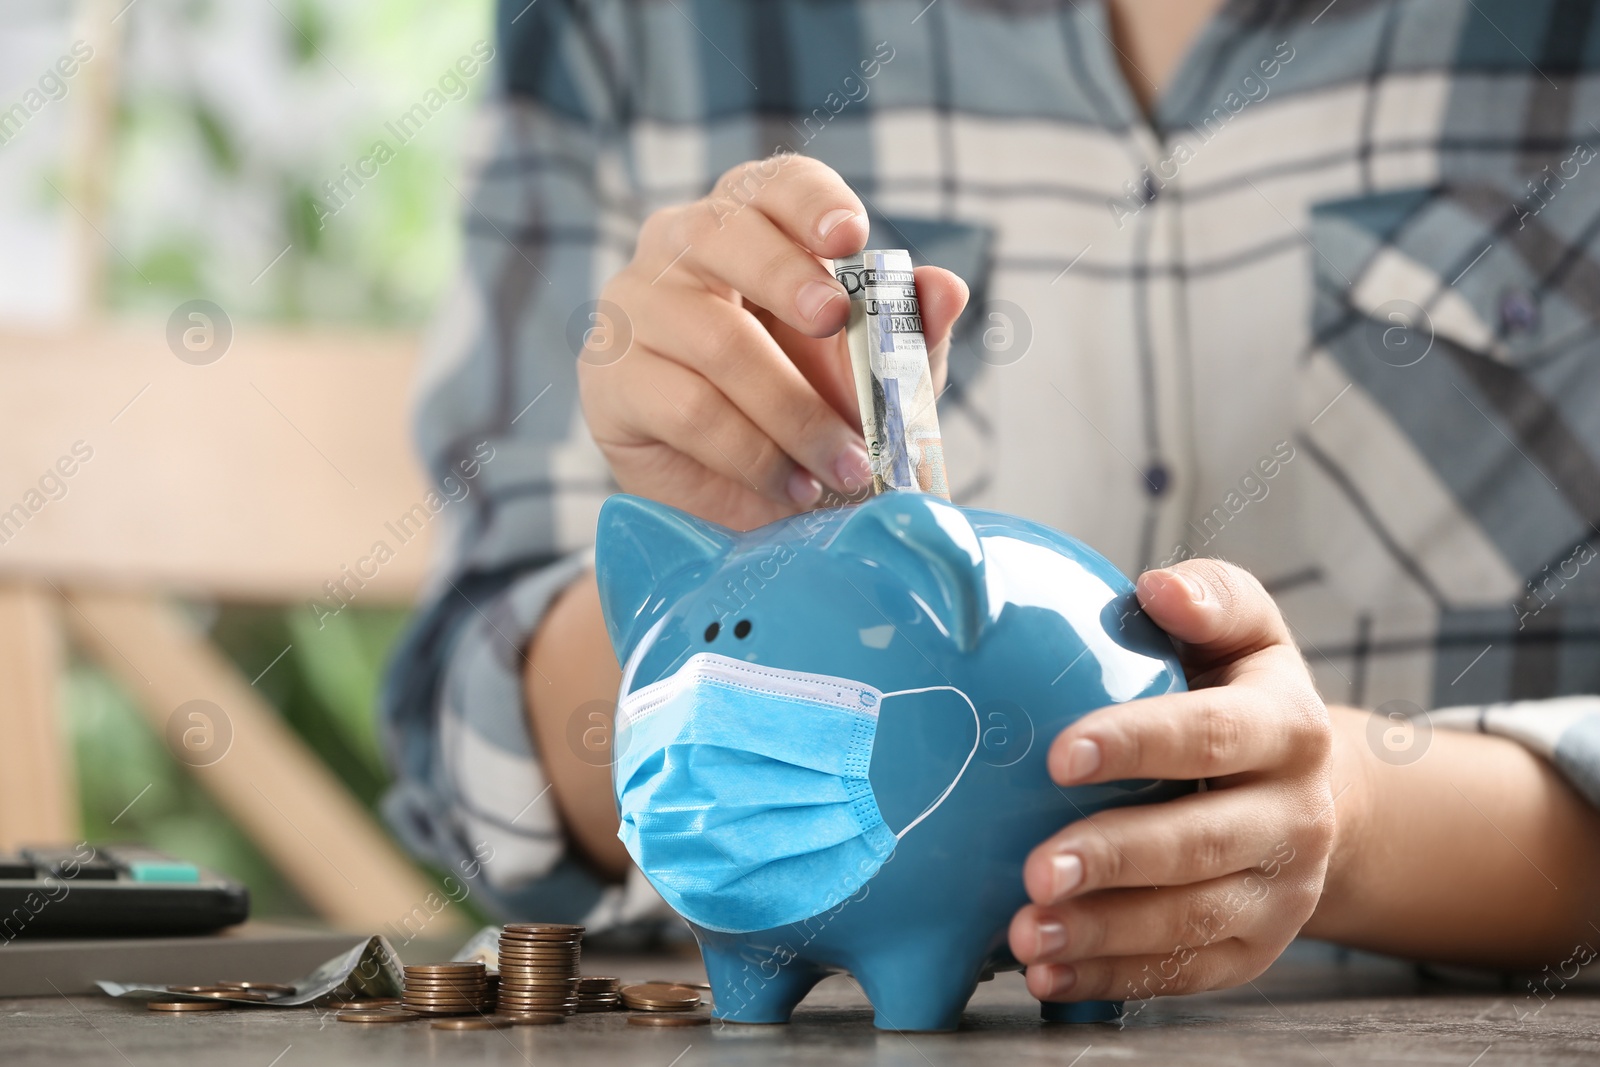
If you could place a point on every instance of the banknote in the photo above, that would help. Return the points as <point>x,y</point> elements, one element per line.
<point>894,386</point>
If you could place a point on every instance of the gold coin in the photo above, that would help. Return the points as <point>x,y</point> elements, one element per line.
<point>667,1020</point>
<point>271,989</point>
<point>568,929</point>
<point>534,1018</point>
<point>185,1005</point>
<point>382,1015</point>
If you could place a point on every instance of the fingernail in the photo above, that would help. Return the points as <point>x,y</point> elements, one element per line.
<point>1066,872</point>
<point>1083,759</point>
<point>813,297</point>
<point>1151,583</point>
<point>1062,978</point>
<point>1050,937</point>
<point>1196,590</point>
<point>804,489</point>
<point>833,220</point>
<point>854,469</point>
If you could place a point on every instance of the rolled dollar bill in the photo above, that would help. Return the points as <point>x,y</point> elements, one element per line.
<point>894,384</point>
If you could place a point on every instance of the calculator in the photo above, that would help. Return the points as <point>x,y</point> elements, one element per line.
<point>112,891</point>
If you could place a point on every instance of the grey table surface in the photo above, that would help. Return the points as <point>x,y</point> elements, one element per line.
<point>1319,1009</point>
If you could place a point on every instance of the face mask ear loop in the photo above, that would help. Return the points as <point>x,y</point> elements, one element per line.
<point>977,739</point>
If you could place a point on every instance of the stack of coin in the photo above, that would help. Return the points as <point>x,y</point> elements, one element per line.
<point>659,996</point>
<point>447,989</point>
<point>599,994</point>
<point>539,968</point>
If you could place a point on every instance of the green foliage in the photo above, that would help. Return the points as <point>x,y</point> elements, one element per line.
<point>212,178</point>
<point>132,790</point>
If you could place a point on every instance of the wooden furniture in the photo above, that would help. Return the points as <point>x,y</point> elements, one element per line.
<point>259,477</point>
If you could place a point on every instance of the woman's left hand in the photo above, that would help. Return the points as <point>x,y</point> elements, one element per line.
<point>1205,891</point>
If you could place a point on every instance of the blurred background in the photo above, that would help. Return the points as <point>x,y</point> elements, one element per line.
<point>248,452</point>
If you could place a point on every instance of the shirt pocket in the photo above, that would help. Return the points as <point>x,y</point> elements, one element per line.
<point>1451,411</point>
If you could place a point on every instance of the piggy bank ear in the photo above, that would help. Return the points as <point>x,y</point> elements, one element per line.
<point>639,544</point>
<point>930,546</point>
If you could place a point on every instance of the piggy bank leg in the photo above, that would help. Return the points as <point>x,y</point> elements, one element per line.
<point>1082,1011</point>
<point>765,990</point>
<point>918,991</point>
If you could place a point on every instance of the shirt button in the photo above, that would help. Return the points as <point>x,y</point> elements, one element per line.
<point>1519,312</point>
<point>1157,478</point>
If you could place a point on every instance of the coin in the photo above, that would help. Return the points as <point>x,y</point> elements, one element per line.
<point>659,997</point>
<point>428,998</point>
<point>596,982</point>
<point>556,929</point>
<point>271,989</point>
<point>383,1015</point>
<point>487,1022</point>
<point>447,970</point>
<point>185,1005</point>
<point>668,1020</point>
<point>534,1018</point>
<point>675,981</point>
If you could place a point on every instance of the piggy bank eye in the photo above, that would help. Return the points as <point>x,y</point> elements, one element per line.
<point>741,629</point>
<point>711,632</point>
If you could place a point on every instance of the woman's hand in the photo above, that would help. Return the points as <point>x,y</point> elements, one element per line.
<point>726,388</point>
<point>1204,891</point>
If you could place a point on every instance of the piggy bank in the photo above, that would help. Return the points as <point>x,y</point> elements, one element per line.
<point>831,733</point>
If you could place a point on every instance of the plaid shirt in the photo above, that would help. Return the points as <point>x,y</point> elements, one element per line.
<point>1327,315</point>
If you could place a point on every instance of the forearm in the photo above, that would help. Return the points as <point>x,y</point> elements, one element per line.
<point>570,683</point>
<point>1477,853</point>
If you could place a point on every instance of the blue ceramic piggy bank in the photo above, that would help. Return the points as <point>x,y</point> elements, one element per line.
<point>831,736</point>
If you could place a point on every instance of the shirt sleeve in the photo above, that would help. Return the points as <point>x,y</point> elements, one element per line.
<point>546,220</point>
<point>1564,730</point>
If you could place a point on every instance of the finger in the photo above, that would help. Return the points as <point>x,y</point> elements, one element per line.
<point>1218,611</point>
<point>730,348</point>
<point>1133,922</point>
<point>1201,733</point>
<point>679,408</point>
<point>1180,969</point>
<point>662,473</point>
<point>942,296</point>
<point>748,254</point>
<point>804,197</point>
<point>1191,839</point>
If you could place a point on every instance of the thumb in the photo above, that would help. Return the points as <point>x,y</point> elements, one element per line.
<point>1218,611</point>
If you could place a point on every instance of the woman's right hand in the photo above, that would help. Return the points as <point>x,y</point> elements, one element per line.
<point>725,389</point>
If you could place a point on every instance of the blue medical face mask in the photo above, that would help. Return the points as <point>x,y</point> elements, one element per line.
<point>744,794</point>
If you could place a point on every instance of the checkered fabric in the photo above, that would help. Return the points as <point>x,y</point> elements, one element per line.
<point>1327,314</point>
